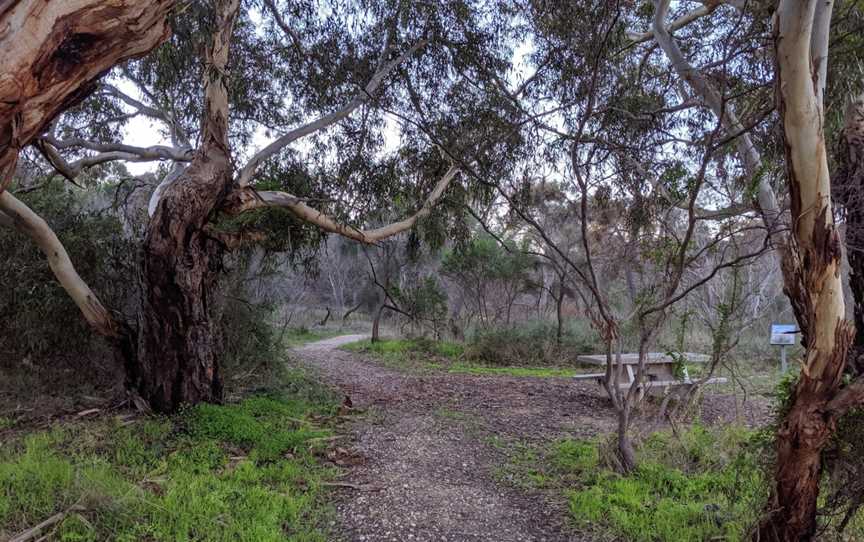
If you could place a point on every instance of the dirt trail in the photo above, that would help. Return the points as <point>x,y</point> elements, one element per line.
<point>432,453</point>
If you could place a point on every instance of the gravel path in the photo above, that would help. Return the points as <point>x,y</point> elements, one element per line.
<point>427,449</point>
<point>429,455</point>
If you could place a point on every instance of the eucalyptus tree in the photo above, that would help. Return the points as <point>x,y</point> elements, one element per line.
<point>811,252</point>
<point>231,72</point>
<point>811,268</point>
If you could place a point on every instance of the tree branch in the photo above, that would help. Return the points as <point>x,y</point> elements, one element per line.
<point>251,166</point>
<point>178,134</point>
<point>246,199</point>
<point>707,9</point>
<point>26,221</point>
<point>749,156</point>
<point>295,38</point>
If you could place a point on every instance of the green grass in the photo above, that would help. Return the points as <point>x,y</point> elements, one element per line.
<point>537,372</point>
<point>428,355</point>
<point>393,348</point>
<point>410,355</point>
<point>240,472</point>
<point>300,336</point>
<point>704,485</point>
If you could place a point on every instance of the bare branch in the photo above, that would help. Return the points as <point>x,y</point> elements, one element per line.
<point>155,152</point>
<point>251,166</point>
<point>178,134</point>
<point>707,9</point>
<point>107,152</point>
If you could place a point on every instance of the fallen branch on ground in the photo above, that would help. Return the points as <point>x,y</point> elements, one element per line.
<point>32,532</point>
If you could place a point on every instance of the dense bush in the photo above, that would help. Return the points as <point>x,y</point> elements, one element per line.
<point>250,340</point>
<point>39,321</point>
<point>532,343</point>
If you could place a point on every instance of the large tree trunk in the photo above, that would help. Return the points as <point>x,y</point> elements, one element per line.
<point>51,53</point>
<point>177,359</point>
<point>811,270</point>
<point>178,348</point>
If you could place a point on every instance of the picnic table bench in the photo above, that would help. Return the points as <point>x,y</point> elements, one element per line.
<point>658,376</point>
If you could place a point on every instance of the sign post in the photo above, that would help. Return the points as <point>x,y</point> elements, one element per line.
<point>783,335</point>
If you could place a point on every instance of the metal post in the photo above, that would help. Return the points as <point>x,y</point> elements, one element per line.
<point>783,358</point>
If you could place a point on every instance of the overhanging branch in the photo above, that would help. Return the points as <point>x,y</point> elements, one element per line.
<point>247,199</point>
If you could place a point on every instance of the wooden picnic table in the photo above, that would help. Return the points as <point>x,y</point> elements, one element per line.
<point>659,374</point>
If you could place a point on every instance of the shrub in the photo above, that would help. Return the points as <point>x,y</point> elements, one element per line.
<point>250,340</point>
<point>33,303</point>
<point>532,343</point>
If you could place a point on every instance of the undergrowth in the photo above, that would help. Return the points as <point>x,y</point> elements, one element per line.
<point>244,471</point>
<point>531,344</point>
<point>426,354</point>
<point>700,485</point>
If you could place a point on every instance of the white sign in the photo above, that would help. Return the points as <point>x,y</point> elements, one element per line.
<point>783,334</point>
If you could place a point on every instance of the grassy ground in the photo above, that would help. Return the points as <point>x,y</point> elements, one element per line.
<point>701,485</point>
<point>243,471</point>
<point>423,355</point>
<point>300,336</point>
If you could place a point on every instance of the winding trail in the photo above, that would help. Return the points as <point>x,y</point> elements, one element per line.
<point>431,449</point>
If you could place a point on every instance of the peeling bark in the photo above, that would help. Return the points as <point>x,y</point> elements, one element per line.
<point>52,53</point>
<point>811,269</point>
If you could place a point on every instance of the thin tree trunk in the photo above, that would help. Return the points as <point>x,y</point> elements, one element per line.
<point>376,323</point>
<point>559,302</point>
<point>626,452</point>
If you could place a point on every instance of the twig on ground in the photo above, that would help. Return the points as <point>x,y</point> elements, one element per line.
<point>32,532</point>
<point>361,487</point>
